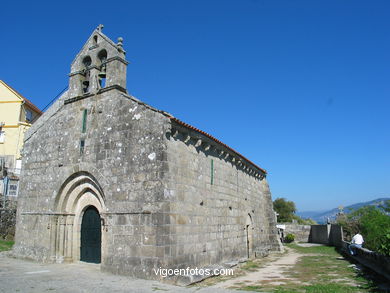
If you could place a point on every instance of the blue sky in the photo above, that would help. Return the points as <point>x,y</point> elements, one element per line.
<point>299,87</point>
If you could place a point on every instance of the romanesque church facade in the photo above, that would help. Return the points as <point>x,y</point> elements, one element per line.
<point>109,179</point>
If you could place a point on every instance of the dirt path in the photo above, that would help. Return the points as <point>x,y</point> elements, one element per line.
<point>272,273</point>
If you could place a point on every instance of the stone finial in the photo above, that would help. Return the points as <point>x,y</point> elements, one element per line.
<point>100,27</point>
<point>120,45</point>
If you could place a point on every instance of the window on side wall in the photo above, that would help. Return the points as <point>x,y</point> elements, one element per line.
<point>29,115</point>
<point>13,187</point>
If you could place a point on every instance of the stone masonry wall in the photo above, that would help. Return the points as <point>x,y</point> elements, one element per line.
<point>301,232</point>
<point>124,150</point>
<point>208,216</point>
<point>7,218</point>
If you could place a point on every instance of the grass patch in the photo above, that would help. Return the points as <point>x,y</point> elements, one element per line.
<point>250,266</point>
<point>252,288</point>
<point>330,288</point>
<point>6,245</point>
<point>159,289</point>
<point>320,269</point>
<point>326,250</point>
<point>320,288</point>
<point>323,268</point>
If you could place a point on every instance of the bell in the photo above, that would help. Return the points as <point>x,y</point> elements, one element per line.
<point>86,82</point>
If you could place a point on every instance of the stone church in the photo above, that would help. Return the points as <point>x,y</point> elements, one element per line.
<point>109,179</point>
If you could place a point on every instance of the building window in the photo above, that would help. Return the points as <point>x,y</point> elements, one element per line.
<point>29,115</point>
<point>13,187</point>
<point>2,136</point>
<point>84,127</point>
<point>82,146</point>
<point>212,172</point>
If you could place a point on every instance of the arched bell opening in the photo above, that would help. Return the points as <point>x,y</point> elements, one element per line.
<point>102,57</point>
<point>86,81</point>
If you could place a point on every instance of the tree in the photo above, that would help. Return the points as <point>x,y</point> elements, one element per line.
<point>302,221</point>
<point>374,225</point>
<point>386,206</point>
<point>285,209</point>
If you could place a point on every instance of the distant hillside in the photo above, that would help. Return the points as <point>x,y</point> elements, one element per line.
<point>322,216</point>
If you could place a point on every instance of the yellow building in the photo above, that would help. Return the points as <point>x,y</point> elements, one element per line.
<point>16,115</point>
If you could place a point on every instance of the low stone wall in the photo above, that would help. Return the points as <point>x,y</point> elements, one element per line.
<point>319,234</point>
<point>301,232</point>
<point>7,223</point>
<point>375,261</point>
<point>336,235</point>
<point>326,234</point>
<point>7,218</point>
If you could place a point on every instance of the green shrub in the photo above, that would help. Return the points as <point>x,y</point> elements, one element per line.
<point>6,245</point>
<point>373,223</point>
<point>384,244</point>
<point>289,238</point>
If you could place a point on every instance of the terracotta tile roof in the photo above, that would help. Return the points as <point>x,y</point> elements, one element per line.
<point>28,102</point>
<point>216,140</point>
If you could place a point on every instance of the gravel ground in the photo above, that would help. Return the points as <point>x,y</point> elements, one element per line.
<point>24,276</point>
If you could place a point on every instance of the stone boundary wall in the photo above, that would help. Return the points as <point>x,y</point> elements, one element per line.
<point>301,232</point>
<point>7,223</point>
<point>330,234</point>
<point>7,218</point>
<point>319,234</point>
<point>336,235</point>
<point>375,261</point>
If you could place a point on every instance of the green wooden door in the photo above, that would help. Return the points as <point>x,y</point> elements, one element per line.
<point>91,236</point>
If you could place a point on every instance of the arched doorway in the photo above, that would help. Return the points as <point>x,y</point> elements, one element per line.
<point>91,236</point>
<point>249,236</point>
<point>80,208</point>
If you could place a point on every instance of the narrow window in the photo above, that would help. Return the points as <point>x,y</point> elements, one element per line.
<point>29,115</point>
<point>212,172</point>
<point>82,146</point>
<point>102,80</point>
<point>84,127</point>
<point>13,187</point>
